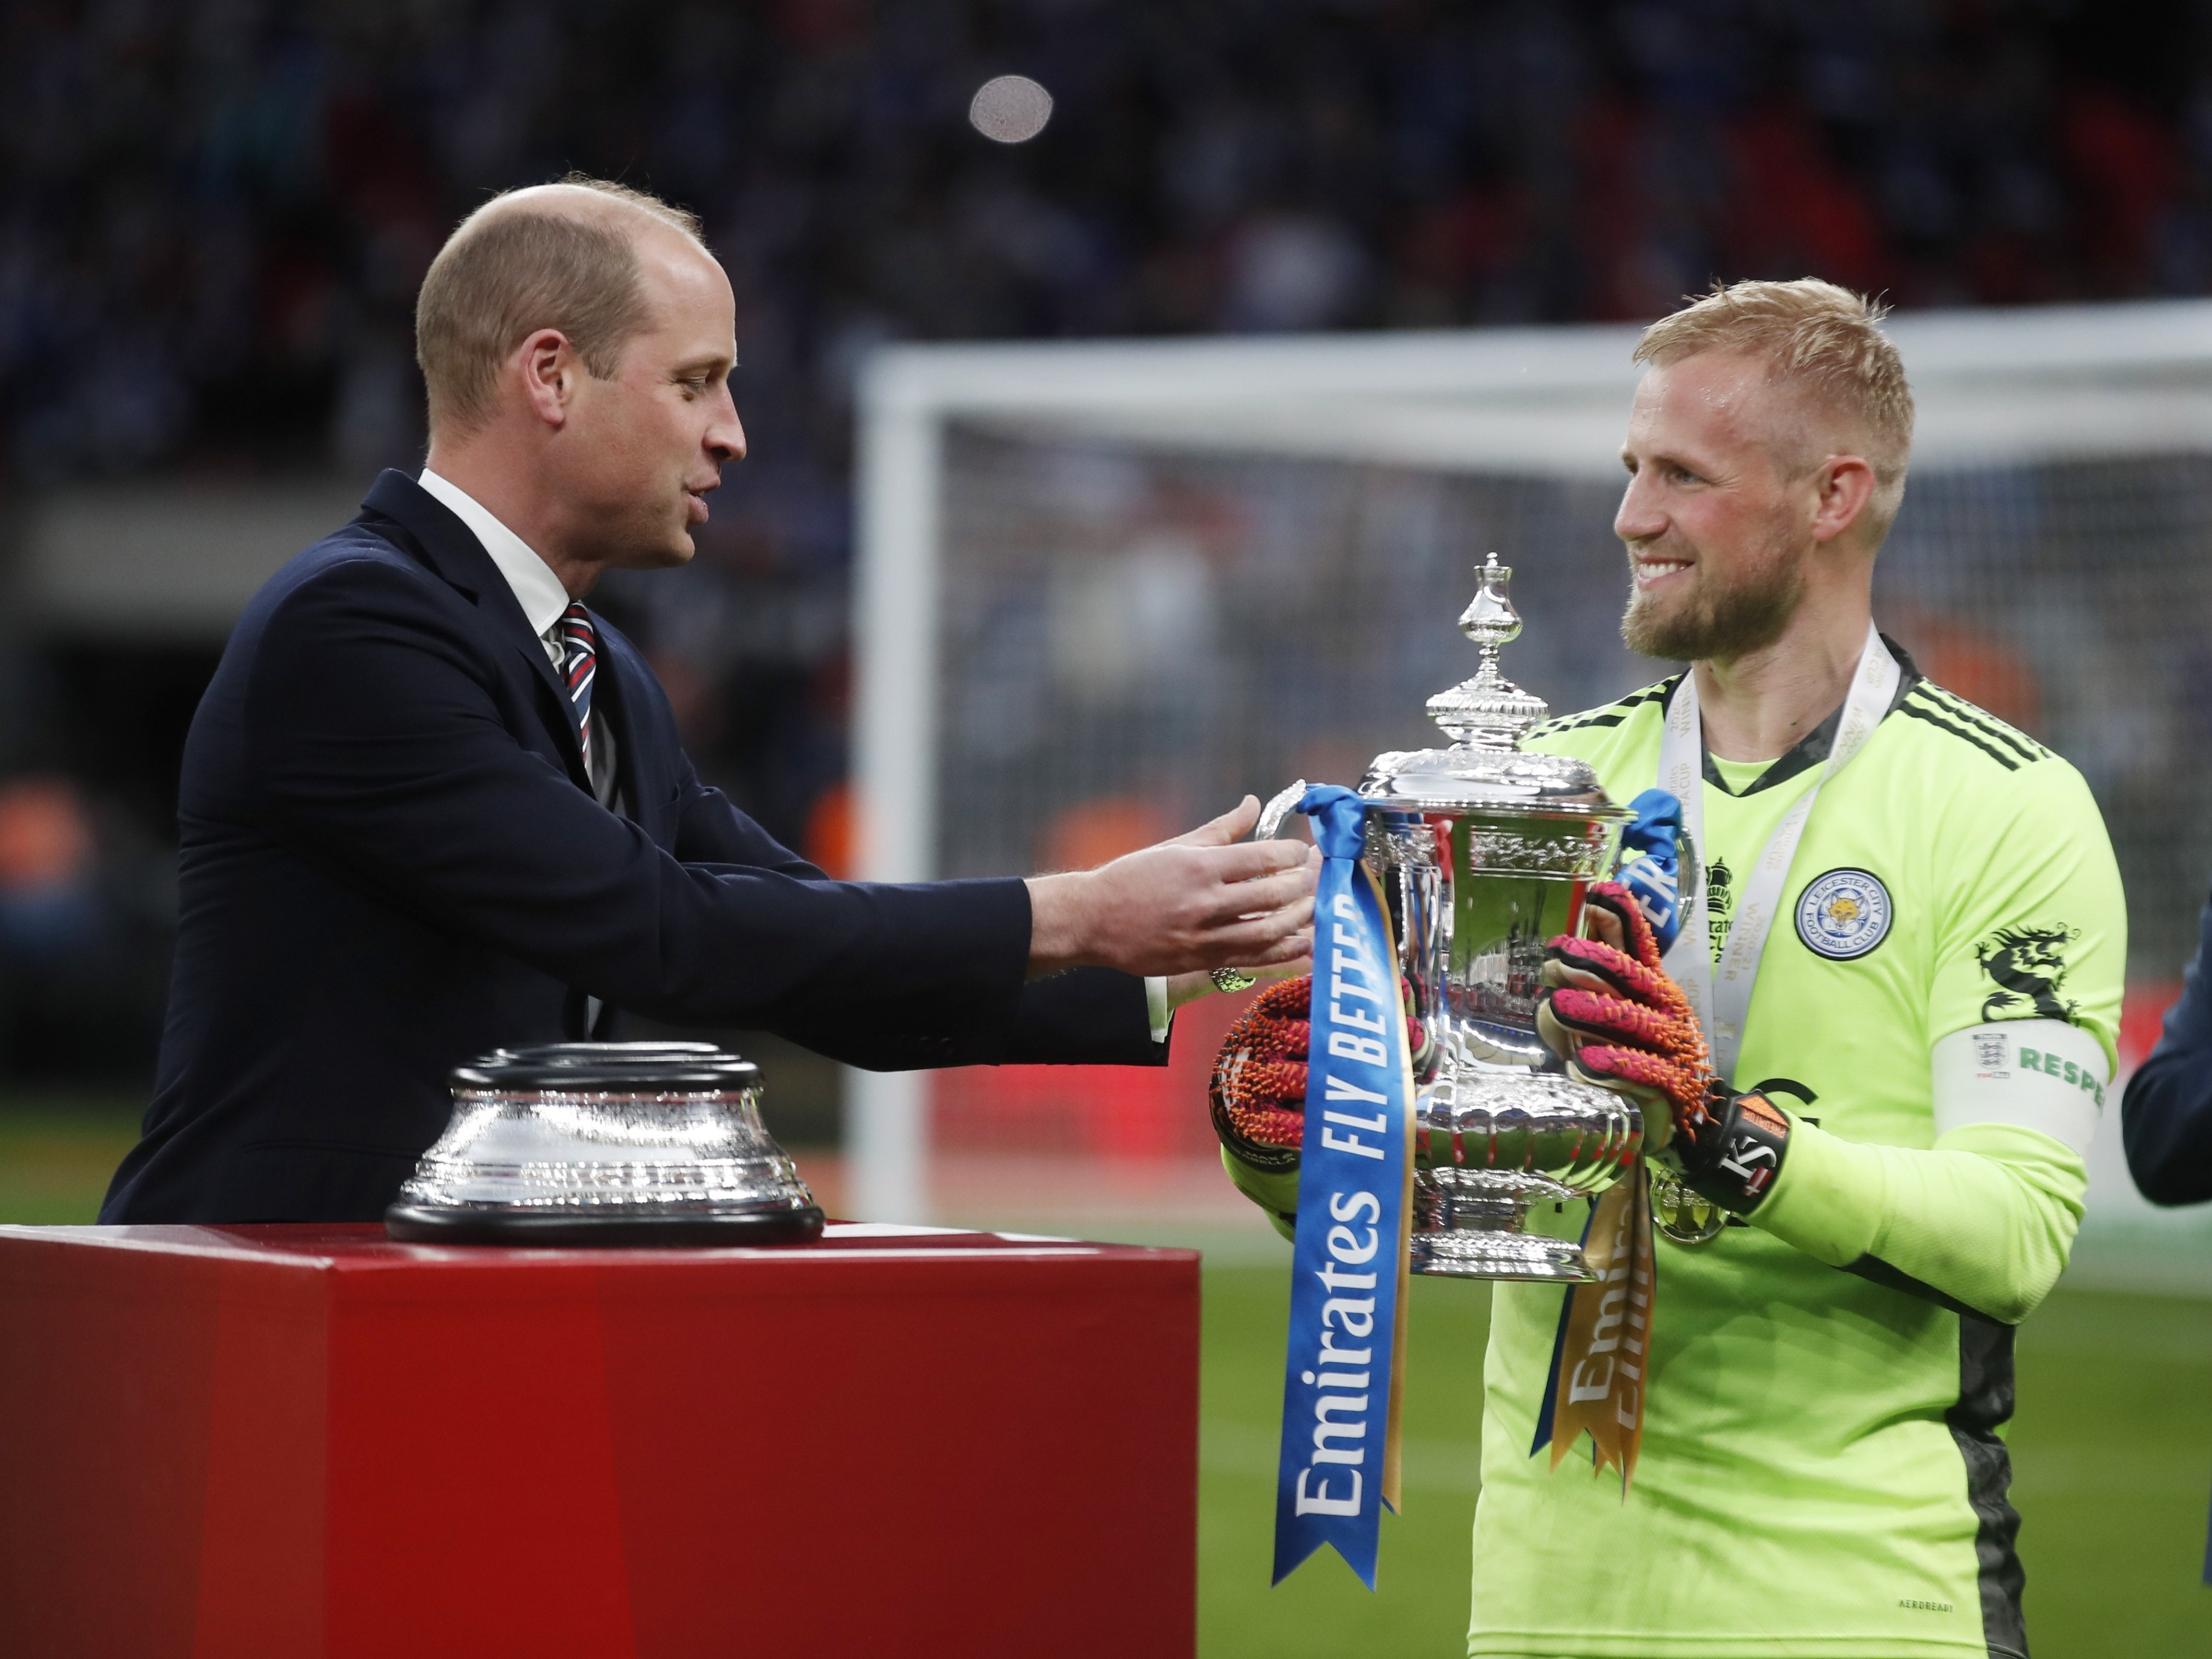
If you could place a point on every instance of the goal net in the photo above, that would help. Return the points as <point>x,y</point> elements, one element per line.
<point>1106,590</point>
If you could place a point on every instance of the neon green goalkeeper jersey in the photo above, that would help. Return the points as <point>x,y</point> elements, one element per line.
<point>1820,1474</point>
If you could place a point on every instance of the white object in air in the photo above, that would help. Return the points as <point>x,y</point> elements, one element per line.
<point>1011,109</point>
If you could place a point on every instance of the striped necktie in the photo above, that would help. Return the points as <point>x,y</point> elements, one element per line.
<point>579,662</point>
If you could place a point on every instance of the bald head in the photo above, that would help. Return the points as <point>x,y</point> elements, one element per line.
<point>565,257</point>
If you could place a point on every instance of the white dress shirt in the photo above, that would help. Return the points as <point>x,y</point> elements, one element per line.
<point>543,599</point>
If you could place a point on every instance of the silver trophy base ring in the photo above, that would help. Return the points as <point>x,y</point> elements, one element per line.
<point>422,1224</point>
<point>1468,1253</point>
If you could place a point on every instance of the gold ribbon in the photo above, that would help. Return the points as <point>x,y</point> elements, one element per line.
<point>1393,1448</point>
<point>1607,1339</point>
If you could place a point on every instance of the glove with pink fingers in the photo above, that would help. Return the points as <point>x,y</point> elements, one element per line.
<point>1620,1023</point>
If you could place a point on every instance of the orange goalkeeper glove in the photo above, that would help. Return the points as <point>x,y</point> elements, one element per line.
<point>1258,1092</point>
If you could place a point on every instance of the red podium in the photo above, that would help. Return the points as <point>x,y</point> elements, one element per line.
<point>253,1443</point>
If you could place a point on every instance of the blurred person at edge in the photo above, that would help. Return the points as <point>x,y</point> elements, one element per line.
<point>432,804</point>
<point>2165,1115</point>
<point>1899,1142</point>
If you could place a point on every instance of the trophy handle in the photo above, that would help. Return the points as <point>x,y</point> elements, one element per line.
<point>1272,814</point>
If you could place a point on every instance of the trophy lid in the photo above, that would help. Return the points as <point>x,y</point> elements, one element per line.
<point>1447,780</point>
<point>609,1068</point>
<point>1487,715</point>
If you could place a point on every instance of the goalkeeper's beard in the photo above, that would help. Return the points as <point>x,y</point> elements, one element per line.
<point>1716,619</point>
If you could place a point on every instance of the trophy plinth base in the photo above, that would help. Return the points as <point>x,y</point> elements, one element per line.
<point>421,1224</point>
<point>1474,1224</point>
<point>1471,1252</point>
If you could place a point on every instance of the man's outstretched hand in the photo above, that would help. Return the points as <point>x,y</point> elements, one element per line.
<point>1202,900</point>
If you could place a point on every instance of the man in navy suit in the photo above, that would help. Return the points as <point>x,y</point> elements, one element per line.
<point>433,805</point>
<point>2165,1116</point>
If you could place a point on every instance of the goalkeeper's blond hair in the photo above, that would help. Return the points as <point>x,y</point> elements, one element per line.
<point>1825,345</point>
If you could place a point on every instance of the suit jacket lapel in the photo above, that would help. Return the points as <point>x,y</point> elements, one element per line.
<point>614,699</point>
<point>452,550</point>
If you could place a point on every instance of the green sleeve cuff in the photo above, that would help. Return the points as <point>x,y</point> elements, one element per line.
<point>1830,1198</point>
<point>1275,1191</point>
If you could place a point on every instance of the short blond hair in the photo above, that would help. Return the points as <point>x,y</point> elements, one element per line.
<point>1818,339</point>
<point>525,261</point>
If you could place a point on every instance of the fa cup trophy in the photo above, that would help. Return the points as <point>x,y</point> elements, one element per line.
<point>1483,852</point>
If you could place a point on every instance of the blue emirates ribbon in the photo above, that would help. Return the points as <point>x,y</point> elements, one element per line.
<point>1651,863</point>
<point>1341,1378</point>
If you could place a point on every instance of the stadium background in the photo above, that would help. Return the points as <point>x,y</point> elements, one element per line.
<point>213,217</point>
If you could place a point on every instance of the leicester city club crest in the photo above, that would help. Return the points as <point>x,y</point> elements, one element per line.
<point>1844,915</point>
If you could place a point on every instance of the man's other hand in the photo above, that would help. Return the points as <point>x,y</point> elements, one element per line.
<point>1204,900</point>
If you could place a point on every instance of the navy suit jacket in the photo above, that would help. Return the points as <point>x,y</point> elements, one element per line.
<point>391,862</point>
<point>2165,1116</point>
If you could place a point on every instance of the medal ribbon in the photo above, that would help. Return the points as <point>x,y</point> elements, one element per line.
<point>1723,997</point>
<point>1597,1377</point>
<point>1345,1368</point>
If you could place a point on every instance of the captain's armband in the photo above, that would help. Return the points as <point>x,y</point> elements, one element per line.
<point>2039,1074</point>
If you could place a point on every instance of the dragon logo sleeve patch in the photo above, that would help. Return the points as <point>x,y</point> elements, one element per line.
<point>1844,914</point>
<point>2028,968</point>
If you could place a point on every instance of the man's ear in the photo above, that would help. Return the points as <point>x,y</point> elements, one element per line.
<point>548,369</point>
<point>1843,486</point>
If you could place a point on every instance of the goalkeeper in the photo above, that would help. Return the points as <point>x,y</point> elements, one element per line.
<point>1910,998</point>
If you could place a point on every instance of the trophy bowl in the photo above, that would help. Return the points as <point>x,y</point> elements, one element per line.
<point>1490,1151</point>
<point>605,1144</point>
<point>1484,852</point>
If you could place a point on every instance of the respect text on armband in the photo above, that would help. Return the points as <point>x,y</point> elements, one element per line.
<point>2051,1065</point>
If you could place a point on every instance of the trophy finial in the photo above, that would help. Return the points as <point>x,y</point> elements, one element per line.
<point>1488,711</point>
<point>1490,619</point>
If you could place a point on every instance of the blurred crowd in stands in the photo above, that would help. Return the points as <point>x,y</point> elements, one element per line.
<point>214,215</point>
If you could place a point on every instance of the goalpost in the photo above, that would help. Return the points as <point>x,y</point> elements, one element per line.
<point>1106,588</point>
